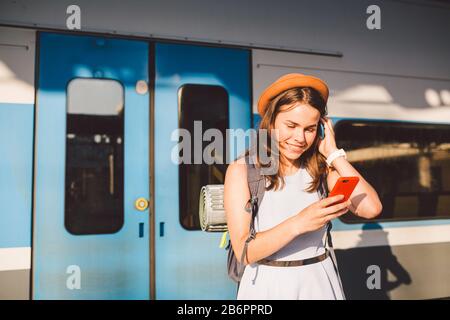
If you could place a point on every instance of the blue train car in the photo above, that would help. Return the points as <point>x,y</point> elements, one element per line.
<point>94,206</point>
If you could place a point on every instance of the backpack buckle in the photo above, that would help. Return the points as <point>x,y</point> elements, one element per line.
<point>251,204</point>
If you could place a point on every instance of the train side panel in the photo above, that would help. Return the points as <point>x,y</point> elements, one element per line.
<point>409,253</point>
<point>17,56</point>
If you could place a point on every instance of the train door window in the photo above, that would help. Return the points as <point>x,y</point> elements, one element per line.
<point>204,105</point>
<point>94,156</point>
<point>408,164</point>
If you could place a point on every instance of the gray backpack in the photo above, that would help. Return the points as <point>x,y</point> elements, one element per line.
<point>256,184</point>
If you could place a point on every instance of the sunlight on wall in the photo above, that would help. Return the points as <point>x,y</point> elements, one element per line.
<point>13,90</point>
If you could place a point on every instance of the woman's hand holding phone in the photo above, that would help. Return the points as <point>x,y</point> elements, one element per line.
<point>344,186</point>
<point>318,214</point>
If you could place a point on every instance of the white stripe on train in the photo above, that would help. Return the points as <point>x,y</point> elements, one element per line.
<point>391,236</point>
<point>15,258</point>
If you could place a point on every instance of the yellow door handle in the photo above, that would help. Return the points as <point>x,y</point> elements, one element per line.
<point>141,204</point>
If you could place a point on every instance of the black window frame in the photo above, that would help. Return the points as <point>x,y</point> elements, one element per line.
<point>122,206</point>
<point>345,122</point>
<point>183,193</point>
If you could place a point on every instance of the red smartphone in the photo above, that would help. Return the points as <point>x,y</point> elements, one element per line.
<point>345,186</point>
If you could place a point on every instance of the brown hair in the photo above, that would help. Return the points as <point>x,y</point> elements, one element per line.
<point>312,159</point>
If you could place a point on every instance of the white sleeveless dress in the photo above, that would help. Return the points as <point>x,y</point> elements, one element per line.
<point>314,281</point>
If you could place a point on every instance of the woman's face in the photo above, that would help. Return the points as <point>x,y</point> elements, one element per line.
<point>297,129</point>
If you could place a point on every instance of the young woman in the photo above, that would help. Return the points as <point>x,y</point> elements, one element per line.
<point>291,221</point>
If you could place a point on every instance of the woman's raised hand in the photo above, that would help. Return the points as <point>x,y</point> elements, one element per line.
<point>327,145</point>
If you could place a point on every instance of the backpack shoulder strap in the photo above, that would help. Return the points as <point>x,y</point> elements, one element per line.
<point>323,186</point>
<point>256,181</point>
<point>256,185</point>
<point>323,193</point>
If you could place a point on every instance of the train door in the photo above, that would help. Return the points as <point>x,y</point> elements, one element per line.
<point>91,221</point>
<point>197,88</point>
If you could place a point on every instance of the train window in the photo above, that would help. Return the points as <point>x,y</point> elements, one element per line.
<point>94,156</point>
<point>208,104</point>
<point>407,163</point>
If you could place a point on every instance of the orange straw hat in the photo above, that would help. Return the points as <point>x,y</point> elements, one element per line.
<point>289,81</point>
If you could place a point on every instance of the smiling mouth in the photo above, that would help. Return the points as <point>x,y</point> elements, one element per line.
<point>294,147</point>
